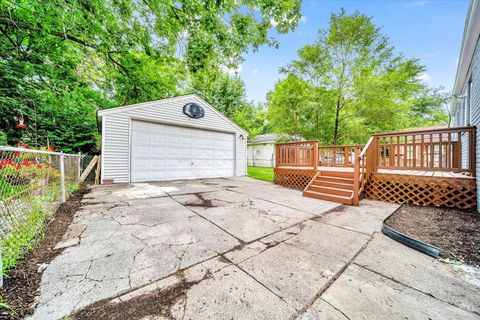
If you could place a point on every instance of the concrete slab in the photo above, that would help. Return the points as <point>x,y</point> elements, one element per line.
<point>320,309</point>
<point>231,182</point>
<point>416,270</point>
<point>247,218</point>
<point>220,291</point>
<point>245,252</point>
<point>287,197</point>
<point>124,247</point>
<point>185,186</point>
<point>122,192</point>
<point>362,294</point>
<point>250,249</point>
<point>299,280</point>
<point>366,218</point>
<point>231,294</point>
<point>328,241</point>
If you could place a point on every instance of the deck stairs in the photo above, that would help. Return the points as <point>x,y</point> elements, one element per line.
<point>336,186</point>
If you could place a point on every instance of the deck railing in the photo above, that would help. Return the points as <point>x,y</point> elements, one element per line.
<point>364,166</point>
<point>445,149</point>
<point>297,154</point>
<point>448,149</point>
<point>338,156</point>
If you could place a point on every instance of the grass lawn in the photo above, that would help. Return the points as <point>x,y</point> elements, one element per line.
<point>261,173</point>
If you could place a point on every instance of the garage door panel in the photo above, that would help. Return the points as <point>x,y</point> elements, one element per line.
<point>142,137</point>
<point>157,151</point>
<point>141,150</point>
<point>141,164</point>
<point>166,152</point>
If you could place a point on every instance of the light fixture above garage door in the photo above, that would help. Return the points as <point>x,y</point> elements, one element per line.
<point>193,110</point>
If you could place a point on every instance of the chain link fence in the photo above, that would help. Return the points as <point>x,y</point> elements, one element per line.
<point>90,179</point>
<point>33,184</point>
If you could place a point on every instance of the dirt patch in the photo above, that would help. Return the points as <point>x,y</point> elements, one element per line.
<point>455,232</point>
<point>21,285</point>
<point>156,304</point>
<point>205,203</point>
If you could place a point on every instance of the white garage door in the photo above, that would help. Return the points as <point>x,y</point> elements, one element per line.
<point>165,152</point>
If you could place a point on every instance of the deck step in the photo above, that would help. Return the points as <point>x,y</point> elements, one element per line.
<point>335,179</point>
<point>333,184</point>
<point>337,174</point>
<point>330,190</point>
<point>327,197</point>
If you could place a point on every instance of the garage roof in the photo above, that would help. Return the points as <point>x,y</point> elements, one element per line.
<point>142,105</point>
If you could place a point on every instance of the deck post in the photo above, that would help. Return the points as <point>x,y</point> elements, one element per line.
<point>315,155</point>
<point>356,177</point>
<point>472,151</point>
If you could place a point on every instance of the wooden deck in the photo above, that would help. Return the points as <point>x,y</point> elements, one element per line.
<point>424,167</point>
<point>421,173</point>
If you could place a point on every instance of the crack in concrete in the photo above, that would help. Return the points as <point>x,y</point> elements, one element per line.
<point>131,267</point>
<point>415,289</point>
<point>334,307</point>
<point>333,279</point>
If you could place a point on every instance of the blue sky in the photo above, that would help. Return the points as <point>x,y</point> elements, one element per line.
<point>428,30</point>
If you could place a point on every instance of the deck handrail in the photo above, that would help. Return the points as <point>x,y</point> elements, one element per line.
<point>436,130</point>
<point>338,155</point>
<point>442,149</point>
<point>364,167</point>
<point>297,154</point>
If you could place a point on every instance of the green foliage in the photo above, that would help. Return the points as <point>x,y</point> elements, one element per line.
<point>261,173</point>
<point>253,119</point>
<point>60,61</point>
<point>354,83</point>
<point>22,239</point>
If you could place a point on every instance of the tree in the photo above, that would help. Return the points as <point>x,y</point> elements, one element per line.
<point>57,55</point>
<point>290,106</point>
<point>366,86</point>
<point>253,119</point>
<point>224,91</point>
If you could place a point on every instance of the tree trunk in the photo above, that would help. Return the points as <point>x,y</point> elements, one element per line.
<point>337,115</point>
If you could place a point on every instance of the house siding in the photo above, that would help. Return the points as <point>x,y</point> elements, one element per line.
<point>261,155</point>
<point>116,133</point>
<point>472,98</point>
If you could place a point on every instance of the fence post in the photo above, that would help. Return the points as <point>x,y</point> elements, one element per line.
<point>79,166</point>
<point>62,177</point>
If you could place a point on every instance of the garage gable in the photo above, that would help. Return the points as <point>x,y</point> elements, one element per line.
<point>170,110</point>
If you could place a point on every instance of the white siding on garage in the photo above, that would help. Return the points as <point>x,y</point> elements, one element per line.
<point>116,133</point>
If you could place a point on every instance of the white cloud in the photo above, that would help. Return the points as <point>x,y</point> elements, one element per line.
<point>232,71</point>
<point>418,3</point>
<point>304,19</point>
<point>255,71</point>
<point>424,77</point>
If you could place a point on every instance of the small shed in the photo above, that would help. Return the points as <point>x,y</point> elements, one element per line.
<point>261,149</point>
<point>176,138</point>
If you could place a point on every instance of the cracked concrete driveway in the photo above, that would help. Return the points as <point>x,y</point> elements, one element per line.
<point>253,250</point>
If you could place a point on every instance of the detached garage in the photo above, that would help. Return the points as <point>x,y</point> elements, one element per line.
<point>176,138</point>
